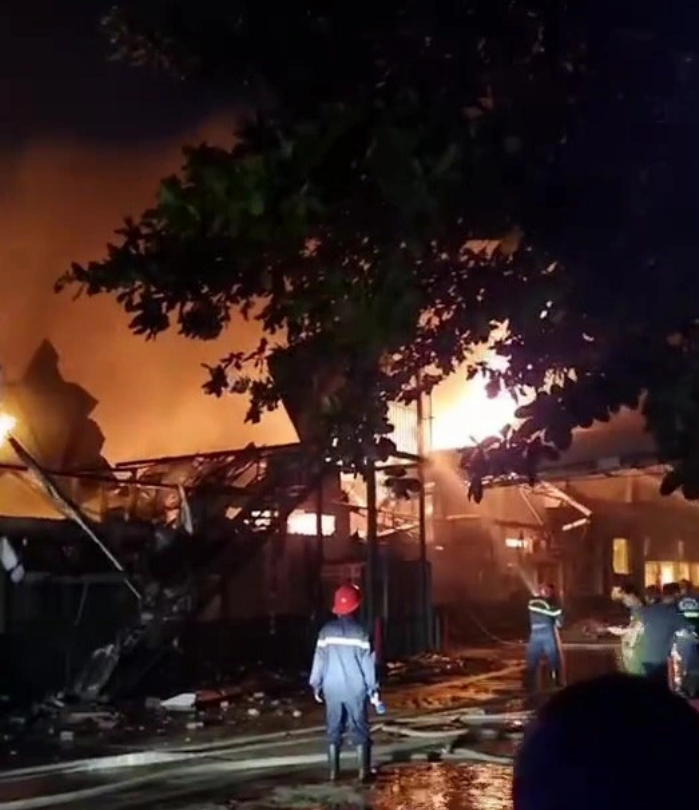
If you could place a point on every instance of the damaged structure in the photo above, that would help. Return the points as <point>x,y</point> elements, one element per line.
<point>217,559</point>
<point>593,519</point>
<point>226,555</point>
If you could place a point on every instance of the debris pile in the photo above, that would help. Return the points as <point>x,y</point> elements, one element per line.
<point>430,667</point>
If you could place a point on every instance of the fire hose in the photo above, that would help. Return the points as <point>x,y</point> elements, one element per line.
<point>406,727</point>
<point>383,754</point>
<point>413,727</point>
<point>198,760</point>
<point>472,715</point>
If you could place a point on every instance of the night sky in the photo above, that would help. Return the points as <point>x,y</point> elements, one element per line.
<point>55,78</point>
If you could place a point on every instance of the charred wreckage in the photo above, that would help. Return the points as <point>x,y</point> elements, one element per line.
<point>202,517</point>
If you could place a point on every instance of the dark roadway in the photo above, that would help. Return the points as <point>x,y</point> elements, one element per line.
<point>418,786</point>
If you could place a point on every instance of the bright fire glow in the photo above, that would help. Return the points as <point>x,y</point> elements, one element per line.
<point>305,523</point>
<point>516,542</point>
<point>7,425</point>
<point>472,417</point>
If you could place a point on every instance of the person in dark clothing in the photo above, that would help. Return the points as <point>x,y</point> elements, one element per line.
<point>545,619</point>
<point>685,649</point>
<point>661,622</point>
<point>573,753</point>
<point>652,595</point>
<point>672,590</point>
<point>343,676</point>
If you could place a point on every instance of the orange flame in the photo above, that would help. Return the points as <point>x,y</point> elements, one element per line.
<point>472,417</point>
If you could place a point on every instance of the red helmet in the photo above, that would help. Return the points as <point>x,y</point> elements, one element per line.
<point>347,600</point>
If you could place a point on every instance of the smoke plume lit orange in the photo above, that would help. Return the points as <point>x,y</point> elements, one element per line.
<point>59,202</point>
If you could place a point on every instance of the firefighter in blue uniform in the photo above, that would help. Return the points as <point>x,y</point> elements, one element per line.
<point>343,676</point>
<point>685,648</point>
<point>545,619</point>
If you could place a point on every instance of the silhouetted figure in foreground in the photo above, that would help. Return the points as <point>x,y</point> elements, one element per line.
<point>617,742</point>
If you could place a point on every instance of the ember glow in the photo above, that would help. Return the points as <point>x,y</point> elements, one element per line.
<point>472,416</point>
<point>7,425</point>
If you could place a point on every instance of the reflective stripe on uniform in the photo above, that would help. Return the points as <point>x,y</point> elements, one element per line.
<point>554,613</point>
<point>342,641</point>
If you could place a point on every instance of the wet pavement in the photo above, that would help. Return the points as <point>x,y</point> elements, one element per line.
<point>251,708</point>
<point>418,786</point>
<point>438,786</point>
<point>445,787</point>
<point>407,787</point>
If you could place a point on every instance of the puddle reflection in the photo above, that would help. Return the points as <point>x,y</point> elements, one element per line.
<point>443,787</point>
<point>406,787</point>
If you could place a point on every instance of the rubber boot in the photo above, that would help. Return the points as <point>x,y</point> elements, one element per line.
<point>364,762</point>
<point>334,762</point>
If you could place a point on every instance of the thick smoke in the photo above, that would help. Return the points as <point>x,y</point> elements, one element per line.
<point>59,202</point>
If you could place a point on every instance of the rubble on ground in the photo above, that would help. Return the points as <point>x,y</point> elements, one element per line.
<point>430,666</point>
<point>246,701</point>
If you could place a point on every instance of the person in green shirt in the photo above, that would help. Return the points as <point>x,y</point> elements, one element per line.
<point>631,636</point>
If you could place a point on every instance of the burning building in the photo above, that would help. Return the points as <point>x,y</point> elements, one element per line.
<point>231,555</point>
<point>226,555</point>
<point>594,518</point>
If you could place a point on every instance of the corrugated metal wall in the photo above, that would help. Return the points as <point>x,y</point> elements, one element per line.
<point>405,434</point>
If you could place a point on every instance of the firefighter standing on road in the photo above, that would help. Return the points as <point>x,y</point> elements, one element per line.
<point>344,678</point>
<point>545,620</point>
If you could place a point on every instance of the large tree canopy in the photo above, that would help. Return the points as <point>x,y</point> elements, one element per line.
<point>376,151</point>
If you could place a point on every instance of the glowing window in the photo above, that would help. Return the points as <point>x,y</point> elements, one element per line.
<point>620,556</point>
<point>667,572</point>
<point>660,573</point>
<point>652,576</point>
<point>306,523</point>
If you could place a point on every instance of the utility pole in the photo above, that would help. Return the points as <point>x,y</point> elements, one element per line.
<point>319,550</point>
<point>425,602</point>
